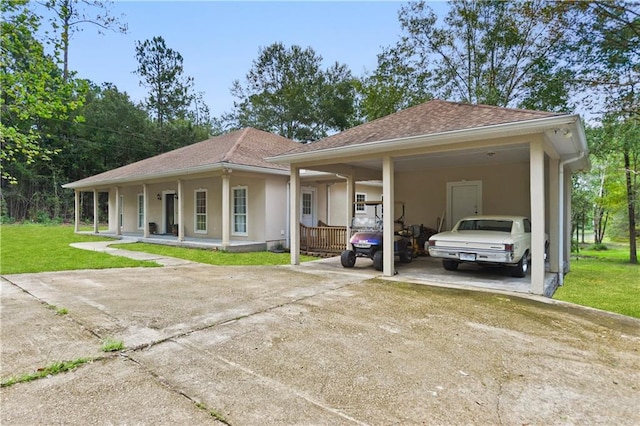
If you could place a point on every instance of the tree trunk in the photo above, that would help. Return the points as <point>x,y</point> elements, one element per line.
<point>633,255</point>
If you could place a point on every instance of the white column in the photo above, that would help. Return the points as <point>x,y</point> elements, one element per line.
<point>554,215</point>
<point>226,209</point>
<point>77,211</point>
<point>536,172</point>
<point>388,215</point>
<point>145,211</point>
<point>349,208</point>
<point>118,207</point>
<point>95,211</point>
<point>294,208</point>
<point>180,210</point>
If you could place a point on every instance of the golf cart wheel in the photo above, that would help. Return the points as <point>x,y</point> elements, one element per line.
<point>348,258</point>
<point>450,265</point>
<point>406,256</point>
<point>520,270</point>
<point>377,260</point>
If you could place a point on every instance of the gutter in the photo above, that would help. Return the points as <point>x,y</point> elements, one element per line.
<point>561,211</point>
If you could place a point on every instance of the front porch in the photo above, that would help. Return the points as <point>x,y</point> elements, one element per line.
<point>189,242</point>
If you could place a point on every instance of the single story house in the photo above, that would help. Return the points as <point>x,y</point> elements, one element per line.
<point>219,193</point>
<point>447,160</point>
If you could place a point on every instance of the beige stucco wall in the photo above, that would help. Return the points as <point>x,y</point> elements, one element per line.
<point>505,190</point>
<point>337,208</point>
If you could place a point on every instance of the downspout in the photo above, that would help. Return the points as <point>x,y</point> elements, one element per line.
<point>287,234</point>
<point>561,213</point>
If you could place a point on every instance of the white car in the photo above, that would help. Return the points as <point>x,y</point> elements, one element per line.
<point>489,240</point>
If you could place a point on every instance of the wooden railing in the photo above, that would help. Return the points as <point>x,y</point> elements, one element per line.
<point>323,239</point>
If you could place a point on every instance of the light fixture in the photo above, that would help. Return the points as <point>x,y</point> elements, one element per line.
<point>159,197</point>
<point>175,197</point>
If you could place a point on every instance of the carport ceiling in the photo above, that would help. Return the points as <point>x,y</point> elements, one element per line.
<point>468,157</point>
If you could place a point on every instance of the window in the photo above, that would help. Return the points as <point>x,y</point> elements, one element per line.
<point>306,203</point>
<point>121,212</point>
<point>240,210</point>
<point>361,198</point>
<point>201,210</point>
<point>140,211</point>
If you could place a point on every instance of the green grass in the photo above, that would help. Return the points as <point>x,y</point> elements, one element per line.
<point>50,370</point>
<point>112,345</point>
<point>28,248</point>
<point>603,279</point>
<point>212,257</point>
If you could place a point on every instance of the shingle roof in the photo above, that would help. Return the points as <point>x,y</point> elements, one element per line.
<point>247,147</point>
<point>428,118</point>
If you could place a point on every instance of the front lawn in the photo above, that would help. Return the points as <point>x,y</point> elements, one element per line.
<point>603,279</point>
<point>40,248</point>
<point>212,257</point>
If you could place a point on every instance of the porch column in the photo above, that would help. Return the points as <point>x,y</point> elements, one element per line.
<point>554,215</point>
<point>77,211</point>
<point>351,195</point>
<point>387,216</point>
<point>226,209</point>
<point>180,211</point>
<point>118,215</point>
<point>145,211</point>
<point>294,207</point>
<point>95,211</point>
<point>536,173</point>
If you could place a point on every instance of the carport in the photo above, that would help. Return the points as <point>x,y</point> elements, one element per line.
<point>447,160</point>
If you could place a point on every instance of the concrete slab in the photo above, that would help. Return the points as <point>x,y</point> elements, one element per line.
<point>308,345</point>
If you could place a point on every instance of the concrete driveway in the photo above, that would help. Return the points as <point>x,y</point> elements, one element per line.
<point>307,345</point>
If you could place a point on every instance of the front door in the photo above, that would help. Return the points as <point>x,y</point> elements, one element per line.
<point>169,212</point>
<point>307,209</point>
<point>463,199</point>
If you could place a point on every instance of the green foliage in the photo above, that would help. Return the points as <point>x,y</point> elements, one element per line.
<point>50,370</point>
<point>39,248</point>
<point>603,279</point>
<point>112,345</point>
<point>212,257</point>
<point>501,53</point>
<point>288,93</point>
<point>598,247</point>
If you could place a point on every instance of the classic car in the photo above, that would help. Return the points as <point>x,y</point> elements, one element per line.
<point>486,240</point>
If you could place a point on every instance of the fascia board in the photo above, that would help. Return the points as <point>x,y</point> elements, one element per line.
<point>443,138</point>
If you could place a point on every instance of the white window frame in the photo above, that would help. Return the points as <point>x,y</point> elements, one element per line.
<point>235,215</point>
<point>361,208</point>
<point>141,211</point>
<point>196,214</point>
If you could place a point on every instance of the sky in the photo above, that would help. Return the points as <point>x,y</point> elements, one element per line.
<point>219,40</point>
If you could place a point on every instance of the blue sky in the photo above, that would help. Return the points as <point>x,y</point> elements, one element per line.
<point>219,40</point>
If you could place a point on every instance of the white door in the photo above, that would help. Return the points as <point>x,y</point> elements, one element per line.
<point>463,199</point>
<point>307,208</point>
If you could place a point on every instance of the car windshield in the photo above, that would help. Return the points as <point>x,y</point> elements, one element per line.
<point>485,225</point>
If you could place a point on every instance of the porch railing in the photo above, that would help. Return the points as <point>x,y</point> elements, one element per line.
<point>323,239</point>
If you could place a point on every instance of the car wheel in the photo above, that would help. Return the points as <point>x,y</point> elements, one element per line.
<point>450,265</point>
<point>377,260</point>
<point>520,270</point>
<point>348,258</point>
<point>406,255</point>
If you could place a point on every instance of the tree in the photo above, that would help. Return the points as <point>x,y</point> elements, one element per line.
<point>161,71</point>
<point>606,54</point>
<point>488,52</point>
<point>287,92</point>
<point>71,15</point>
<point>33,90</point>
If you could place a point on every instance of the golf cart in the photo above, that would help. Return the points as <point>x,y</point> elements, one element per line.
<point>366,239</point>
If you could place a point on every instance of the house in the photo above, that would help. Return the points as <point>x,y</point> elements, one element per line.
<point>445,160</point>
<point>219,193</point>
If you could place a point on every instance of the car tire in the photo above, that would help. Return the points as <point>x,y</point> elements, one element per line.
<point>378,261</point>
<point>450,265</point>
<point>406,255</point>
<point>348,258</point>
<point>520,270</point>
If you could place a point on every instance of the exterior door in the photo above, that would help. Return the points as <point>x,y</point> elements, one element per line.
<point>169,212</point>
<point>463,199</point>
<point>307,209</point>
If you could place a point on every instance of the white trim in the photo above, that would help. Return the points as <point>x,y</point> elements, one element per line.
<point>361,208</point>
<point>139,210</point>
<point>233,210</point>
<point>196,214</point>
